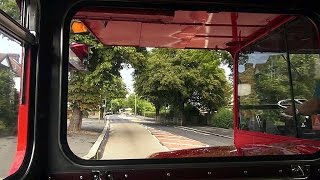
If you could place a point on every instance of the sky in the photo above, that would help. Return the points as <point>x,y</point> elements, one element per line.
<point>7,46</point>
<point>126,74</point>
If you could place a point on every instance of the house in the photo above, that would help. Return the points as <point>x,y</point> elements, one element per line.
<point>11,61</point>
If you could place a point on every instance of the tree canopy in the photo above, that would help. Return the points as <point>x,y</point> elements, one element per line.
<point>102,81</point>
<point>11,8</point>
<point>8,99</point>
<point>184,76</point>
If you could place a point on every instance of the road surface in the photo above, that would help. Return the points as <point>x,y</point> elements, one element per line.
<point>129,140</point>
<point>8,147</point>
<point>133,138</point>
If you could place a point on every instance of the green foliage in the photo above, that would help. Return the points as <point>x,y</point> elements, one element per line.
<point>117,104</point>
<point>270,81</point>
<point>8,99</point>
<point>141,104</point>
<point>223,118</point>
<point>270,84</point>
<point>11,8</point>
<point>191,110</point>
<point>150,114</point>
<point>184,76</point>
<point>102,81</point>
<point>3,126</point>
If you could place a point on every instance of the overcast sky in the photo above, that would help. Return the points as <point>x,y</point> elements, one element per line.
<point>126,74</point>
<point>7,46</point>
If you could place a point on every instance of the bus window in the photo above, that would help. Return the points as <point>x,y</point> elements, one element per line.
<point>179,76</point>
<point>279,68</point>
<point>16,45</point>
<point>142,90</point>
<point>11,63</point>
<point>267,75</point>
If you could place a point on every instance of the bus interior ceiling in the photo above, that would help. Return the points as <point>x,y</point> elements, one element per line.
<point>229,31</point>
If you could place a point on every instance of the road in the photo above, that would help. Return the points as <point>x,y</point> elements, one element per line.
<point>133,138</point>
<point>129,140</point>
<point>8,147</point>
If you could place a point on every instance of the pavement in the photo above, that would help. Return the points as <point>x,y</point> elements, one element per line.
<point>8,147</point>
<point>81,142</point>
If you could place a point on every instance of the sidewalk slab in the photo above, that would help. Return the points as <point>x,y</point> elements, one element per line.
<point>81,142</point>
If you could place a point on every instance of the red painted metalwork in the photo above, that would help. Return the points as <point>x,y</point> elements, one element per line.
<point>274,24</point>
<point>284,146</point>
<point>229,31</point>
<point>243,138</point>
<point>235,96</point>
<point>23,116</point>
<point>81,50</point>
<point>221,151</point>
<point>181,29</point>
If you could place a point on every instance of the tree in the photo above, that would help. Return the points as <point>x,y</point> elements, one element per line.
<point>142,105</point>
<point>117,104</point>
<point>87,88</point>
<point>148,78</point>
<point>178,77</point>
<point>8,99</point>
<point>11,8</point>
<point>269,80</point>
<point>102,80</point>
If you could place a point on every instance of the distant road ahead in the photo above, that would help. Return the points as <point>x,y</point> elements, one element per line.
<point>129,140</point>
<point>133,138</point>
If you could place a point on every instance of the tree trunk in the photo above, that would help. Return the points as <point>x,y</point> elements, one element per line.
<point>157,113</point>
<point>76,120</point>
<point>101,113</point>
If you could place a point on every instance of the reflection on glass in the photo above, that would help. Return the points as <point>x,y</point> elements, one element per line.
<point>269,73</point>
<point>306,86</point>
<point>268,76</point>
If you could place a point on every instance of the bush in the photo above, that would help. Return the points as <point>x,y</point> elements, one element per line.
<point>150,114</point>
<point>85,114</point>
<point>2,126</point>
<point>223,119</point>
